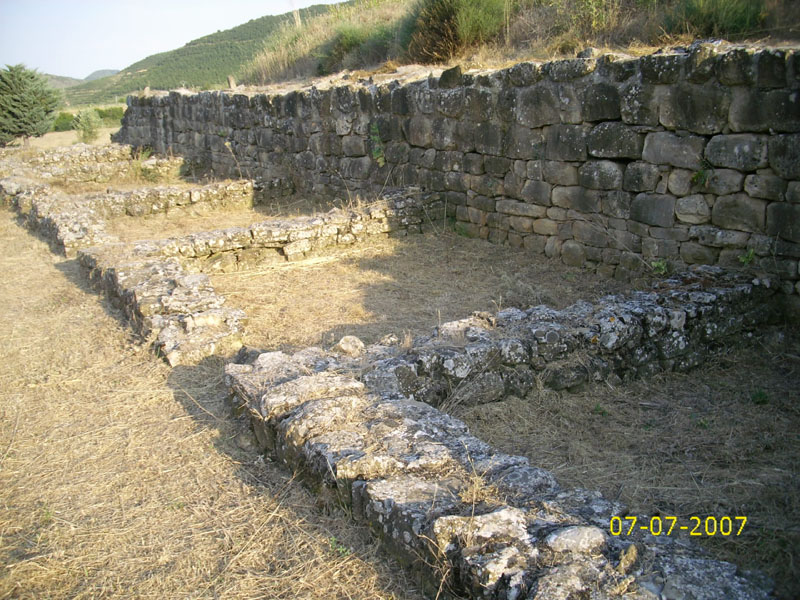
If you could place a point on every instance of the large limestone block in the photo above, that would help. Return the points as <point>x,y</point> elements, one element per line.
<point>744,151</point>
<point>739,212</point>
<point>654,209</point>
<point>665,148</point>
<point>615,140</point>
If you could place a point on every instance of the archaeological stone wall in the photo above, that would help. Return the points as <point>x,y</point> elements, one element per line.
<point>611,163</point>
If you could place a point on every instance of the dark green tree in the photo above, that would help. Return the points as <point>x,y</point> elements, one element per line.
<point>27,104</point>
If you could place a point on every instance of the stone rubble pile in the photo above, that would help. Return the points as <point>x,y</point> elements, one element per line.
<point>463,517</point>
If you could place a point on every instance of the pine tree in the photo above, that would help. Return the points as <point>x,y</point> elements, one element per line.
<point>27,104</point>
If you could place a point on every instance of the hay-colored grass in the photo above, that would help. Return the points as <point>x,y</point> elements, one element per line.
<point>122,478</point>
<point>402,286</point>
<point>720,440</point>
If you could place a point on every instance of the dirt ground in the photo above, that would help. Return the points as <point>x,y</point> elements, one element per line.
<point>404,286</point>
<point>122,478</point>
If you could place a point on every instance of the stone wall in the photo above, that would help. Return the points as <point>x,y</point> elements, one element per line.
<point>357,423</point>
<point>613,163</point>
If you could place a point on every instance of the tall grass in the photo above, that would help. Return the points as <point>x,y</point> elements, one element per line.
<point>716,17</point>
<point>349,35</point>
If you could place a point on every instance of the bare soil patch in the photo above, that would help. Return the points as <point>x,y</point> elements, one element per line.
<point>404,286</point>
<point>122,478</point>
<point>721,440</point>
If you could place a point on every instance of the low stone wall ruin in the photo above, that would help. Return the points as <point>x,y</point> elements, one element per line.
<point>357,422</point>
<point>613,163</point>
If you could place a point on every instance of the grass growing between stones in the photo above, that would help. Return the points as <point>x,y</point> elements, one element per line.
<point>719,441</point>
<point>122,478</point>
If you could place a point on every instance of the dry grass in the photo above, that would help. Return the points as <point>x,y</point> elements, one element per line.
<point>57,139</point>
<point>404,285</point>
<point>121,478</point>
<point>721,440</point>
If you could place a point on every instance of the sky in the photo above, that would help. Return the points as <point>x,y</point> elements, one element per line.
<point>74,39</point>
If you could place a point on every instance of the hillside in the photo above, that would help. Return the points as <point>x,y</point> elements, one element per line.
<point>100,74</point>
<point>202,63</point>
<point>58,82</point>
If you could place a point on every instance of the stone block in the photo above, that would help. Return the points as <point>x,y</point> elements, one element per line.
<point>489,138</point>
<point>600,175</point>
<point>755,110</point>
<point>536,192</point>
<point>560,173</point>
<point>653,248</point>
<point>497,166</point>
<point>450,78</point>
<point>356,168</point>
<point>553,247</point>
<point>601,102</point>
<point>524,143</point>
<point>784,155</point>
<point>662,68</point>
<point>701,63</point>
<point>639,104</point>
<point>545,227</point>
<point>486,185</point>
<point>419,131</point>
<point>525,74</point>
<point>445,136</point>
<point>669,149</point>
<point>625,240</point>
<point>477,216</point>
<point>739,212</point>
<point>693,254</point>
<point>482,202</point>
<point>723,182</point>
<point>697,108</point>
<point>616,204</point>
<point>538,105</point>
<point>768,187</point>
<point>677,233</point>
<point>573,253</point>
<point>479,104</point>
<point>736,67</point>
<point>641,177</point>
<point>783,220</point>
<point>654,209</point>
<point>744,151</point>
<point>498,221</point>
<point>615,140</point>
<point>450,102</point>
<point>590,234</point>
<point>535,243</point>
<point>520,209</point>
<point>793,192</point>
<point>709,235</point>
<point>473,163</point>
<point>569,68</point>
<point>770,68</point>
<point>565,142</point>
<point>521,224</point>
<point>693,209</point>
<point>577,198</point>
<point>680,182</point>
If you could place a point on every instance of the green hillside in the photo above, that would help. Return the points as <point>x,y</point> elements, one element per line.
<point>202,63</point>
<point>58,82</point>
<point>100,74</point>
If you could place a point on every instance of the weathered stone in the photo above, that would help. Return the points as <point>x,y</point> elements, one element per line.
<point>639,104</point>
<point>450,78</point>
<point>538,105</point>
<point>616,204</point>
<point>680,182</point>
<point>615,140</point>
<point>590,234</point>
<point>768,187</point>
<point>669,149</point>
<point>745,152</point>
<point>641,177</point>
<point>736,67</point>
<point>719,238</point>
<point>536,192</point>
<point>350,345</point>
<point>783,220</point>
<point>489,138</point>
<point>524,143</point>
<point>793,192</point>
<point>576,198</point>
<point>600,175</point>
<point>701,63</point>
<point>654,209</point>
<point>601,102</point>
<point>696,108</point>
<point>560,173</point>
<point>784,155</point>
<point>521,209</point>
<point>581,540</point>
<point>565,142</point>
<point>573,254</point>
<point>692,209</point>
<point>740,212</point>
<point>771,68</point>
<point>662,68</point>
<point>755,110</point>
<point>693,254</point>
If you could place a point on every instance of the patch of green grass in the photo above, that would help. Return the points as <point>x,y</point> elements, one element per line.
<point>716,17</point>
<point>599,410</point>
<point>759,397</point>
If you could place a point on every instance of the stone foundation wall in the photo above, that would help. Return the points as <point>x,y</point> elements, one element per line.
<point>357,423</point>
<point>611,163</point>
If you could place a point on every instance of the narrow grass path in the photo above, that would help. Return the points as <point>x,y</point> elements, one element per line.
<point>122,478</point>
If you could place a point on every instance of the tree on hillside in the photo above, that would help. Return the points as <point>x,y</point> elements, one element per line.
<point>27,104</point>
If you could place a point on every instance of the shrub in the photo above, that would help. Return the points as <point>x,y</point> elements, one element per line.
<point>87,123</point>
<point>112,116</point>
<point>445,28</point>
<point>63,122</point>
<point>716,17</point>
<point>27,104</point>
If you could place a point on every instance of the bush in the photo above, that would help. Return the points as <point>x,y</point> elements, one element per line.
<point>716,17</point>
<point>63,122</point>
<point>112,116</point>
<point>445,28</point>
<point>27,104</point>
<point>87,123</point>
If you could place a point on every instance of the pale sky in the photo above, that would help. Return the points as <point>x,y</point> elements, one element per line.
<point>76,38</point>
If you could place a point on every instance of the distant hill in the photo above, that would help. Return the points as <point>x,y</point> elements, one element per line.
<point>60,83</point>
<point>203,63</point>
<point>100,74</point>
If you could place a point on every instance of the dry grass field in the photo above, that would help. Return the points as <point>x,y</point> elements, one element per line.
<point>121,478</point>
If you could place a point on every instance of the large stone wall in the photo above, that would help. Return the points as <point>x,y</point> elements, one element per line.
<point>611,163</point>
